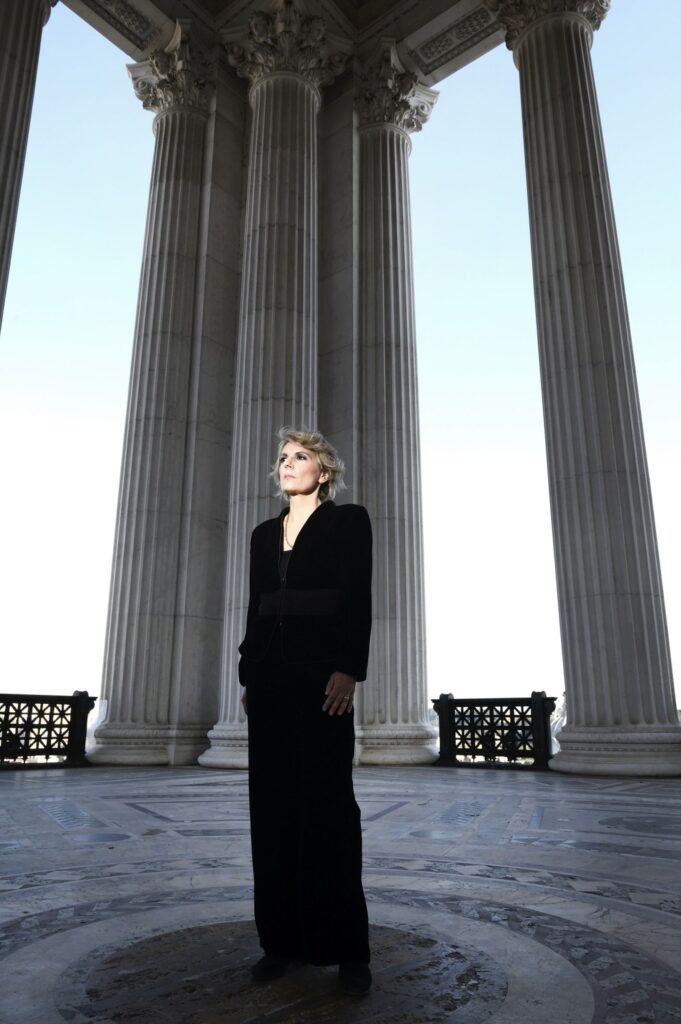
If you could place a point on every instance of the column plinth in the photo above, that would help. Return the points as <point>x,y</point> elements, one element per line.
<point>276,370</point>
<point>621,715</point>
<point>148,721</point>
<point>21,26</point>
<point>393,707</point>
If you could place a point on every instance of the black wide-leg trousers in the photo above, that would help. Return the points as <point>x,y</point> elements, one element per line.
<point>305,823</point>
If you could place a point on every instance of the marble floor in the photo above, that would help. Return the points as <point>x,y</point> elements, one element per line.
<point>504,897</point>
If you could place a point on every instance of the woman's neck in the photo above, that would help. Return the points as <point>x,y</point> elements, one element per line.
<point>302,506</point>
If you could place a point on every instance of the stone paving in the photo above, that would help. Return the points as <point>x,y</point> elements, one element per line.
<point>504,897</point>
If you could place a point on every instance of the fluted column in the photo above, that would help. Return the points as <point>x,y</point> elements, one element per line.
<point>393,725</point>
<point>141,643</point>
<point>21,26</point>
<point>621,714</point>
<point>276,374</point>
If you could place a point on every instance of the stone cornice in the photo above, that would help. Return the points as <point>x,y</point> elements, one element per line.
<point>387,94</point>
<point>178,76</point>
<point>285,41</point>
<point>517,15</point>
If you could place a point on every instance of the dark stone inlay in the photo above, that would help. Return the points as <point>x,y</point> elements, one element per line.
<point>461,813</point>
<point>644,824</point>
<point>70,816</point>
<point>580,886</point>
<point>628,985</point>
<point>386,810</point>
<point>234,831</point>
<point>98,837</point>
<point>152,814</point>
<point>434,833</point>
<point>202,974</point>
<point>10,844</point>
<point>612,848</point>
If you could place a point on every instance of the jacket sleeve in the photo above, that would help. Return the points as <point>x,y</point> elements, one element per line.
<point>253,601</point>
<point>355,585</point>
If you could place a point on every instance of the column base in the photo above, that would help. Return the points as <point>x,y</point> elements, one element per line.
<point>396,745</point>
<point>185,744</point>
<point>128,745</point>
<point>228,747</point>
<point>647,750</point>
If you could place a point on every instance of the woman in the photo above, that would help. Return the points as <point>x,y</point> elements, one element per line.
<point>306,645</point>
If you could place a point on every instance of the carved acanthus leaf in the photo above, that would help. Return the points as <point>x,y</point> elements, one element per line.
<point>517,15</point>
<point>286,41</point>
<point>387,94</point>
<point>178,76</point>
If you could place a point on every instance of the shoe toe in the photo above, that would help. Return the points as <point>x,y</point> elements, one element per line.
<point>354,978</point>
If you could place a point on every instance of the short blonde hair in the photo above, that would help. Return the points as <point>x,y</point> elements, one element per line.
<point>329,460</point>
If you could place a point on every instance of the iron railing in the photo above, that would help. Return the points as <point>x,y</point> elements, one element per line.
<point>43,727</point>
<point>495,733</point>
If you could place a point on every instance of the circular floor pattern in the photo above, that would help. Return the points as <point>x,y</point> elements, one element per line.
<point>201,976</point>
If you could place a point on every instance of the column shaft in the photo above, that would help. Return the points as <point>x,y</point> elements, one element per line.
<point>21,26</point>
<point>139,654</point>
<point>276,374</point>
<point>393,709</point>
<point>621,708</point>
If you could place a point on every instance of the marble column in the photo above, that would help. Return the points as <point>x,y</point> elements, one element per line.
<point>144,722</point>
<point>393,724</point>
<point>621,715</point>
<point>21,26</point>
<point>286,62</point>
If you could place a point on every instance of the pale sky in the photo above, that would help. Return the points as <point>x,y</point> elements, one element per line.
<point>65,353</point>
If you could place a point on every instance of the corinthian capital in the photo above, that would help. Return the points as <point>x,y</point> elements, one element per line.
<point>178,76</point>
<point>517,15</point>
<point>387,94</point>
<point>285,41</point>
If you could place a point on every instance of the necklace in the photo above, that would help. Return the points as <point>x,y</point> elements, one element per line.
<point>285,534</point>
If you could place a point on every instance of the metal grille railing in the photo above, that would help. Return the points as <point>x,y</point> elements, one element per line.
<point>495,733</point>
<point>35,727</point>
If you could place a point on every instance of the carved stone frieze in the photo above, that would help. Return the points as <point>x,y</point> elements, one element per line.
<point>517,15</point>
<point>456,39</point>
<point>178,76</point>
<point>286,41</point>
<point>125,18</point>
<point>387,94</point>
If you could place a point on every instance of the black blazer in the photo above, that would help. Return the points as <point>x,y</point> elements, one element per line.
<point>320,614</point>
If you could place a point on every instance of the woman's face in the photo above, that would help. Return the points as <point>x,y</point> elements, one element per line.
<point>299,470</point>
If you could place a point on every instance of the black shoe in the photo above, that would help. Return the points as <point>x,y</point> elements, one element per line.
<point>354,978</point>
<point>269,967</point>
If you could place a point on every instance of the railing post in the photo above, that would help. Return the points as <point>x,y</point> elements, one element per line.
<point>81,706</point>
<point>443,707</point>
<point>541,706</point>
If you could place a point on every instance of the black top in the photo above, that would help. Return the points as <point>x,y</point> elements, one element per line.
<point>321,610</point>
<point>283,563</point>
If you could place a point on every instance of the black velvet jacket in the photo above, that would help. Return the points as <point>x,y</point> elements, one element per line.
<point>320,613</point>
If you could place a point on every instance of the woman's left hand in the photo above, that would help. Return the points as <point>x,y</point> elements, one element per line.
<point>340,692</point>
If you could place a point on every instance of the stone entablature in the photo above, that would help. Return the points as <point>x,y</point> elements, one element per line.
<point>432,41</point>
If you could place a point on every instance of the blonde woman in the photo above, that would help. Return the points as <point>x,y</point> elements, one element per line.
<point>306,646</point>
